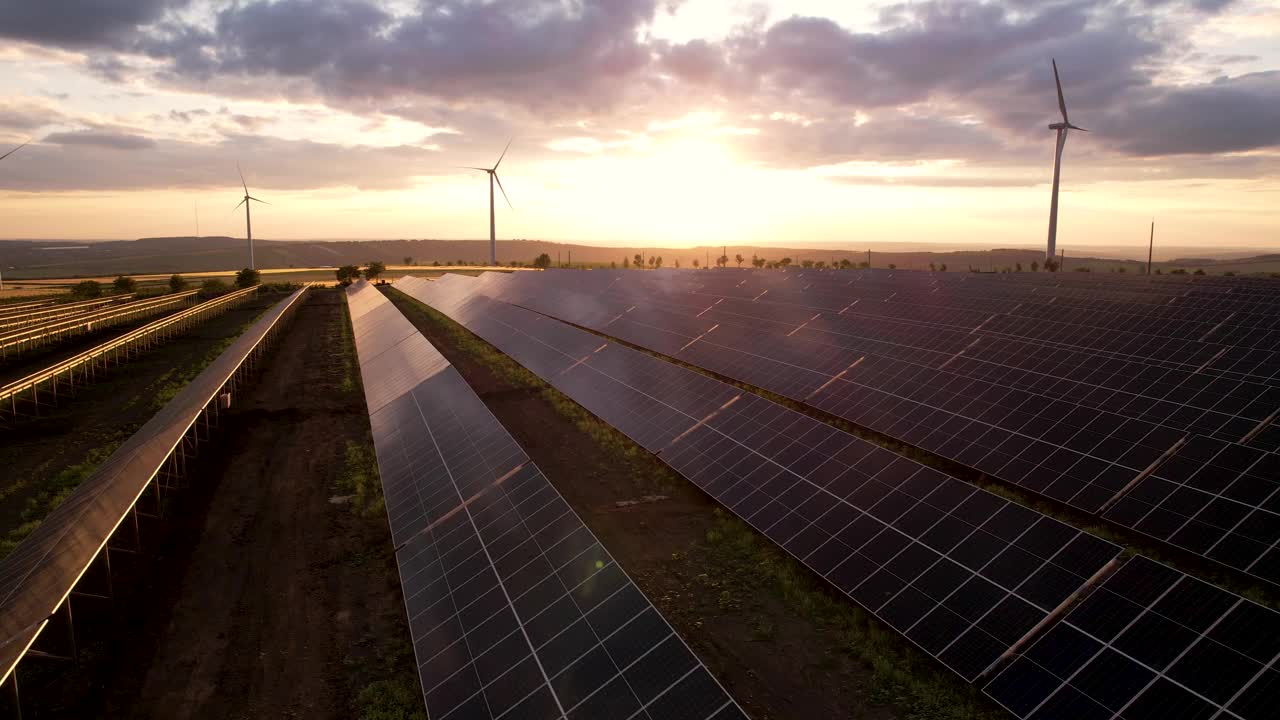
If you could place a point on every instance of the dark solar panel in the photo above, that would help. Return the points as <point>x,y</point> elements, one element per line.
<point>1149,643</point>
<point>1083,456</point>
<point>515,608</point>
<point>962,573</point>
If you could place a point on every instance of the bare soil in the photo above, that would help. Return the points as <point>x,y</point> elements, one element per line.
<point>776,661</point>
<point>265,598</point>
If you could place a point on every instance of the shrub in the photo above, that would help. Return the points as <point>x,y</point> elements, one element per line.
<point>87,289</point>
<point>248,277</point>
<point>177,283</point>
<point>124,284</point>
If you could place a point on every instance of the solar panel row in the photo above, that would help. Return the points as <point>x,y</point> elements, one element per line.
<point>959,571</point>
<point>515,608</point>
<point>1148,642</point>
<point>44,568</point>
<point>1215,498</point>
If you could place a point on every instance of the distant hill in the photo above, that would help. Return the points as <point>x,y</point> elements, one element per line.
<point>44,259</point>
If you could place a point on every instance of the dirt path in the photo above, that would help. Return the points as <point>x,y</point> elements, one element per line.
<point>270,601</point>
<point>779,643</point>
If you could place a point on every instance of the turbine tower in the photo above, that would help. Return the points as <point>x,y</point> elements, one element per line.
<point>493,176</point>
<point>248,225</point>
<point>13,151</point>
<point>1062,129</point>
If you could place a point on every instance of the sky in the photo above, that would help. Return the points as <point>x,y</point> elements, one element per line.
<point>654,122</point>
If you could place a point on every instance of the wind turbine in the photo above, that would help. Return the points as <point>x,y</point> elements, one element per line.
<point>13,150</point>
<point>248,226</point>
<point>1062,129</point>
<point>493,176</point>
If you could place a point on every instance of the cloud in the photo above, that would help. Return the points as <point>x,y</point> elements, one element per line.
<point>90,161</point>
<point>25,115</point>
<point>100,139</point>
<point>81,23</point>
<point>1226,115</point>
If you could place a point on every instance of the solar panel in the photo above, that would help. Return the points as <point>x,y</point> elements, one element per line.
<point>1150,643</point>
<point>1081,456</point>
<point>515,608</point>
<point>962,573</point>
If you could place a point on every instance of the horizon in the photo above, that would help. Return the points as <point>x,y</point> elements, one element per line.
<point>705,122</point>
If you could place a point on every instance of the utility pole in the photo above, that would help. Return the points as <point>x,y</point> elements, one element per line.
<point>724,256</point>
<point>708,258</point>
<point>558,263</point>
<point>1062,260</point>
<point>868,258</point>
<point>570,259</point>
<point>1151,244</point>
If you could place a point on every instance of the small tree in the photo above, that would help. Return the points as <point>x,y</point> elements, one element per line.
<point>677,263</point>
<point>695,263</point>
<point>821,264</point>
<point>1017,266</point>
<point>1035,266</point>
<point>1050,265</point>
<point>758,262</point>
<point>626,263</point>
<point>942,267</point>
<point>435,263</point>
<point>124,284</point>
<point>347,274</point>
<point>374,269</point>
<point>892,266</point>
<point>639,260</point>
<point>87,289</point>
<point>1199,271</point>
<point>408,259</point>
<point>845,264</point>
<point>651,261</point>
<point>248,277</point>
<point>177,283</point>
<point>212,288</point>
<point>542,261</point>
<point>613,264</point>
<point>739,258</point>
<point>806,263</point>
<point>657,262</point>
<point>723,261</point>
<point>784,262</point>
<point>931,267</point>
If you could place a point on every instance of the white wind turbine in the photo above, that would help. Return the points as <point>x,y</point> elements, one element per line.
<point>493,176</point>
<point>1062,129</point>
<point>248,226</point>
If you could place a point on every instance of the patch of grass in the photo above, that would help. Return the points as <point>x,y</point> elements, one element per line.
<point>360,479</point>
<point>53,493</point>
<point>346,346</point>
<point>395,699</point>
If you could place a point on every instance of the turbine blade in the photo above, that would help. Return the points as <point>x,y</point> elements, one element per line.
<point>264,202</point>
<point>14,150</point>
<point>1076,127</point>
<point>472,167</point>
<point>504,190</point>
<point>504,154</point>
<point>237,207</point>
<point>1062,103</point>
<point>242,182</point>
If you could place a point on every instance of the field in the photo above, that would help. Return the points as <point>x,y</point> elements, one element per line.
<point>271,587</point>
